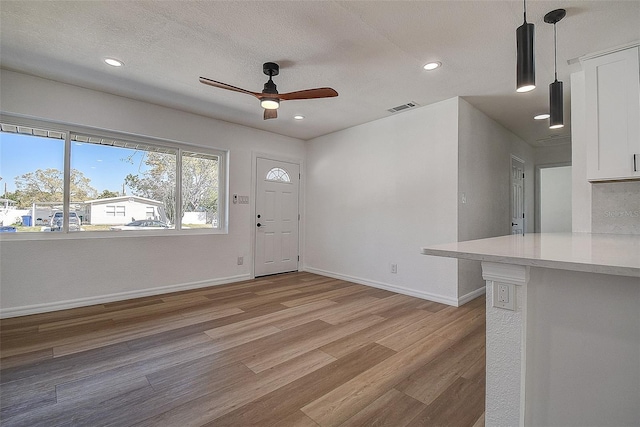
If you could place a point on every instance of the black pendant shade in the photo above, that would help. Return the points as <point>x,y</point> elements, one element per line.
<point>556,102</point>
<point>525,65</point>
<point>556,107</point>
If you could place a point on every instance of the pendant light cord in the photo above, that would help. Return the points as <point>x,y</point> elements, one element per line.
<point>524,7</point>
<point>555,53</point>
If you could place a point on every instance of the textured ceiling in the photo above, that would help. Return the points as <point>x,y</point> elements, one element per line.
<point>371,52</point>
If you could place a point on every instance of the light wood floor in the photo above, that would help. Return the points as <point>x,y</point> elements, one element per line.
<point>289,350</point>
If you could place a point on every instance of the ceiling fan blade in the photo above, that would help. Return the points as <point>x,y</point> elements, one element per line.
<point>321,92</point>
<point>226,86</point>
<point>270,114</point>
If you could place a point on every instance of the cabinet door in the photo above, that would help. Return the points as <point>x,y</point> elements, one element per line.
<point>613,116</point>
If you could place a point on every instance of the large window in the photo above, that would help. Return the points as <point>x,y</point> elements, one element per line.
<point>106,182</point>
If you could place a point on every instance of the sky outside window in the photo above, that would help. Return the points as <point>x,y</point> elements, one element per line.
<point>105,166</point>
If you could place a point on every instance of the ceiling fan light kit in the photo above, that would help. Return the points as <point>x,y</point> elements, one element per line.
<point>525,61</point>
<point>269,103</point>
<point>556,103</point>
<point>269,97</point>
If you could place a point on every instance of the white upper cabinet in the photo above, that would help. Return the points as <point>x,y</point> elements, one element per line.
<point>613,115</point>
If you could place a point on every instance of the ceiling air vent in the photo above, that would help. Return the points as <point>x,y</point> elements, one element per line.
<point>403,107</point>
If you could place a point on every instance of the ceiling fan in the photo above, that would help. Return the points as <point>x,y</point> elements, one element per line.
<point>269,97</point>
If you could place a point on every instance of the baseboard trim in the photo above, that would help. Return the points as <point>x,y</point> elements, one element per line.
<point>393,288</point>
<point>471,295</point>
<point>103,299</point>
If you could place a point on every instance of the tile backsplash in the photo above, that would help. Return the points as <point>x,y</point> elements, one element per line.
<point>615,207</point>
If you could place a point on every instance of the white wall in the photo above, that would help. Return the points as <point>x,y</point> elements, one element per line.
<point>484,163</point>
<point>378,192</point>
<point>31,271</point>
<point>581,188</point>
<point>560,153</point>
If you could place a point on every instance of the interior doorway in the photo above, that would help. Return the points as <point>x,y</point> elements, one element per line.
<point>553,198</point>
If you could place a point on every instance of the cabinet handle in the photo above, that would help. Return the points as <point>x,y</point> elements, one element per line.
<point>635,163</point>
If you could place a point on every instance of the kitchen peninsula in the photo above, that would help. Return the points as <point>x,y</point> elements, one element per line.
<point>563,327</point>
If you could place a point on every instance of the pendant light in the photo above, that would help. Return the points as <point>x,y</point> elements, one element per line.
<point>525,65</point>
<point>556,107</point>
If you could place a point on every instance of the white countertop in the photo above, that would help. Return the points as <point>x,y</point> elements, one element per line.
<point>616,254</point>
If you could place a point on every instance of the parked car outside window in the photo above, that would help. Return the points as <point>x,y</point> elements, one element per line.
<point>57,219</point>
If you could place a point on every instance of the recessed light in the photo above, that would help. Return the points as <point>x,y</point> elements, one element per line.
<point>556,126</point>
<point>298,117</point>
<point>113,62</point>
<point>432,66</point>
<point>541,117</point>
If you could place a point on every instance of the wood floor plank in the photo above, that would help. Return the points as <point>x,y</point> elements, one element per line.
<point>117,335</point>
<point>432,379</point>
<point>365,306</point>
<point>327,312</point>
<point>209,372</point>
<point>409,334</point>
<point>201,326</point>
<point>462,325</point>
<point>264,361</point>
<point>26,358</point>
<point>296,419</point>
<point>392,409</point>
<point>410,304</point>
<point>15,405</point>
<point>272,408</point>
<point>100,365</point>
<point>347,290</point>
<point>346,345</point>
<point>345,401</point>
<point>271,319</point>
<point>234,340</point>
<point>213,405</point>
<point>462,403</point>
<point>295,349</point>
<point>115,386</point>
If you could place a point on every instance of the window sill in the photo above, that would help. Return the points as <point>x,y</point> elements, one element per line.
<point>85,235</point>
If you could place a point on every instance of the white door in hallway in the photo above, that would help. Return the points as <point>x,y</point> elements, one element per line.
<point>517,196</point>
<point>277,219</point>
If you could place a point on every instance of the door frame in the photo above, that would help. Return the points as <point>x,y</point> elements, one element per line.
<point>255,155</point>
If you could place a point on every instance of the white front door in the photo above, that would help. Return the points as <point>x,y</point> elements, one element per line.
<point>517,196</point>
<point>276,220</point>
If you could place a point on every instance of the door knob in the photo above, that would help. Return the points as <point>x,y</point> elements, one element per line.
<point>513,223</point>
<point>259,225</point>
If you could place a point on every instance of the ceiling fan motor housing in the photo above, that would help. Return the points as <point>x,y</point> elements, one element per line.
<point>270,87</point>
<point>271,69</point>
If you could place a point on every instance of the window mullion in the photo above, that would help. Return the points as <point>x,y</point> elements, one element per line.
<point>66,187</point>
<point>178,207</point>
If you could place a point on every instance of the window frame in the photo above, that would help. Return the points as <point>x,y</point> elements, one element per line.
<point>179,146</point>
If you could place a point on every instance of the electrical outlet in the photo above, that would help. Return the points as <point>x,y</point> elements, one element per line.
<point>240,260</point>
<point>504,295</point>
<point>394,268</point>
